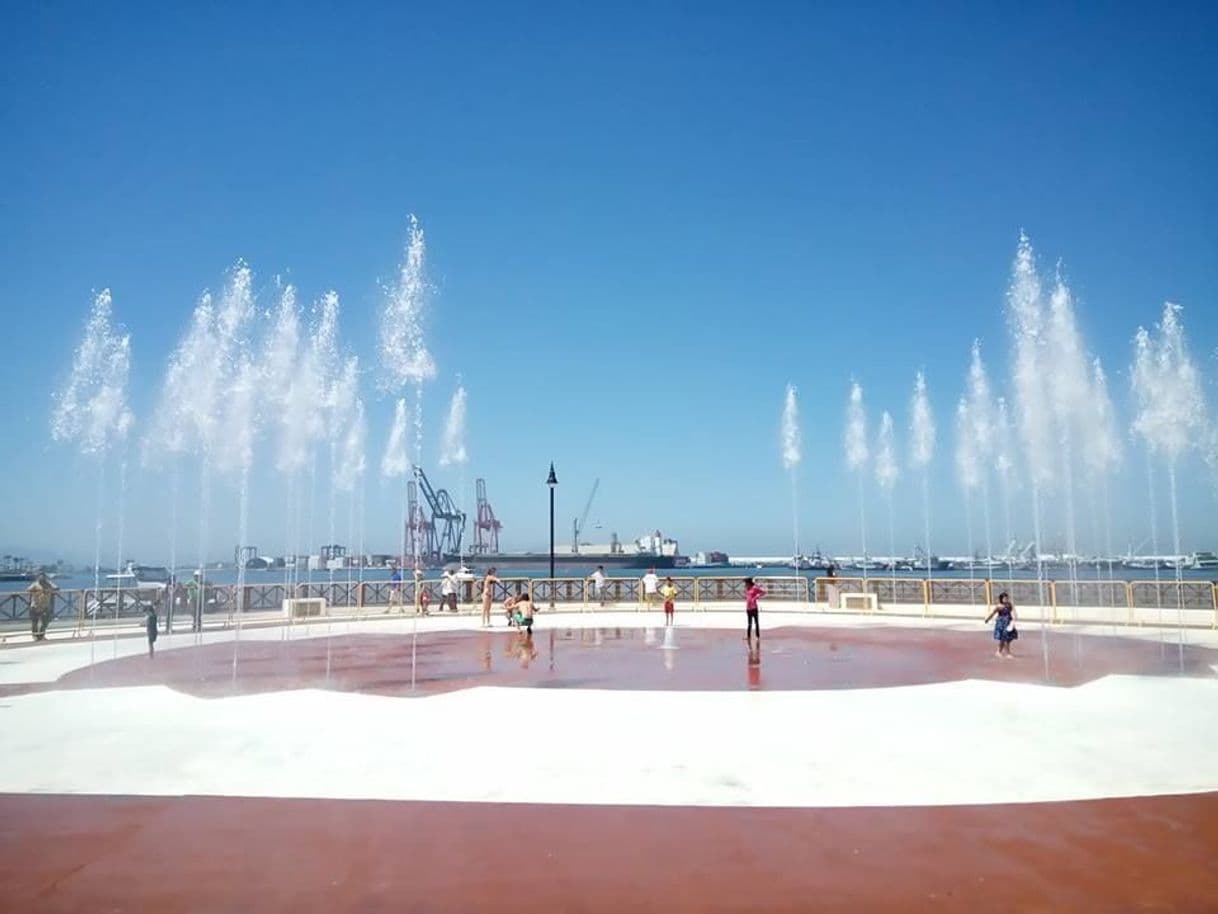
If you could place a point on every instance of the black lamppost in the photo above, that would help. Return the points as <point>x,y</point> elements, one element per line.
<point>552,481</point>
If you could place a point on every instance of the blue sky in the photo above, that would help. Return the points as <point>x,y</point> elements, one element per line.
<point>643,222</point>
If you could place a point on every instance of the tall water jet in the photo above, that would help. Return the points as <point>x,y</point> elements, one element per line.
<point>290,400</point>
<point>1171,414</point>
<point>1102,454</point>
<point>238,389</point>
<point>349,475</point>
<point>856,456</point>
<point>91,411</point>
<point>323,363</point>
<point>1069,383</point>
<point>792,453</point>
<point>1004,466</point>
<point>981,429</point>
<point>922,451</point>
<point>968,471</point>
<point>395,463</point>
<point>1025,310</point>
<point>452,449</point>
<point>886,474</point>
<point>404,358</point>
<point>186,412</point>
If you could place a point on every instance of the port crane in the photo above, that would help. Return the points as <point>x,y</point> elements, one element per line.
<point>420,532</point>
<point>447,524</point>
<point>486,525</point>
<point>579,522</point>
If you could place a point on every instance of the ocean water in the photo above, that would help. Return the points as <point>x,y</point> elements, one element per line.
<point>77,581</point>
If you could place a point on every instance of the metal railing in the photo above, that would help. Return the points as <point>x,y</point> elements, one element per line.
<point>1136,602</point>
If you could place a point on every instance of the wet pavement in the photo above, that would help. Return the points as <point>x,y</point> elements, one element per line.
<point>791,658</point>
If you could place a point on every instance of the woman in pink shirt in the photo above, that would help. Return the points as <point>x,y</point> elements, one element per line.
<point>752,592</point>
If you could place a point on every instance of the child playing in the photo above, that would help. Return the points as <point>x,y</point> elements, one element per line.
<point>752,593</point>
<point>669,593</point>
<point>1004,626</point>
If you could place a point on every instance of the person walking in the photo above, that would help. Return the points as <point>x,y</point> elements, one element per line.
<point>598,584</point>
<point>488,596</point>
<point>1004,625</point>
<point>752,593</point>
<point>42,599</point>
<point>150,626</point>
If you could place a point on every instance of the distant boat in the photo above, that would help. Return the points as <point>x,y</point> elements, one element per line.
<point>141,577</point>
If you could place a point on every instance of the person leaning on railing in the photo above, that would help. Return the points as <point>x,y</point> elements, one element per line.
<point>42,593</point>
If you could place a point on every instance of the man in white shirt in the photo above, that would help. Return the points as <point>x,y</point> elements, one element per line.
<point>598,584</point>
<point>651,588</point>
<point>448,590</point>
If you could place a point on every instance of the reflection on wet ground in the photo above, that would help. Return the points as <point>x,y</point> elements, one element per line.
<point>797,658</point>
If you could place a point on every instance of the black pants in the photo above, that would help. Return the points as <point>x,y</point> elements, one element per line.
<point>39,620</point>
<point>753,622</point>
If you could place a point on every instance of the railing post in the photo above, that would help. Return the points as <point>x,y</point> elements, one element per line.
<point>926,591</point>
<point>1214,597</point>
<point>989,592</point>
<point>1053,602</point>
<point>1129,607</point>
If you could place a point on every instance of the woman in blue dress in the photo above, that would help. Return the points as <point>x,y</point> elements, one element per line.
<point>1004,625</point>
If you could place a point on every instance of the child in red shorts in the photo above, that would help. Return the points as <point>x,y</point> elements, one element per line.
<point>669,593</point>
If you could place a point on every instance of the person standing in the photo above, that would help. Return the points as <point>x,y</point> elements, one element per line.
<point>669,593</point>
<point>150,626</point>
<point>448,590</point>
<point>395,590</point>
<point>195,596</point>
<point>42,598</point>
<point>1004,625</point>
<point>488,596</point>
<point>651,587</point>
<point>752,593</point>
<point>598,584</point>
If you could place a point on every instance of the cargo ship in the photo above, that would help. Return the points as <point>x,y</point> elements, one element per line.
<point>651,551</point>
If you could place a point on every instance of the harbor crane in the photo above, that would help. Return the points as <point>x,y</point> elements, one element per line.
<point>486,525</point>
<point>578,525</point>
<point>420,532</point>
<point>447,520</point>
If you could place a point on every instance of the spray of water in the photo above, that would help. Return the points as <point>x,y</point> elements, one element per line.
<point>968,470</point>
<point>395,464</point>
<point>91,412</point>
<point>452,449</point>
<point>91,409</point>
<point>404,356</point>
<point>1171,413</point>
<point>1004,466</point>
<point>792,453</point>
<point>1070,393</point>
<point>1102,454</point>
<point>856,455</point>
<point>886,473</point>
<point>396,460</point>
<point>981,428</point>
<point>1025,312</point>
<point>922,451</point>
